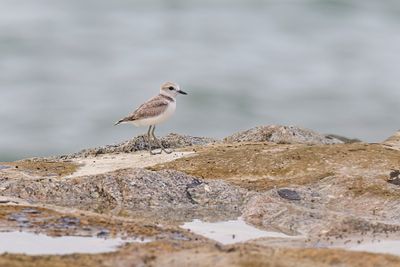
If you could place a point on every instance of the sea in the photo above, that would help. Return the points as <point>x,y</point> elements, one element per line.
<point>70,68</point>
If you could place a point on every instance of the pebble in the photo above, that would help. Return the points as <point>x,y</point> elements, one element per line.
<point>289,194</point>
<point>394,177</point>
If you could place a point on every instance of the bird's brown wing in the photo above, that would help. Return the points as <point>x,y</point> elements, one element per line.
<point>155,106</point>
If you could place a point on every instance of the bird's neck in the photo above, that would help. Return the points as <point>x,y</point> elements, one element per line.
<point>168,97</point>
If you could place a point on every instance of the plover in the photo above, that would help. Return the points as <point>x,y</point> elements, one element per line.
<point>155,111</point>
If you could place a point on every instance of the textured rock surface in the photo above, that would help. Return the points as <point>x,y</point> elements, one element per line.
<point>59,222</point>
<point>93,165</point>
<point>344,139</point>
<point>394,177</point>
<point>176,254</point>
<point>337,183</point>
<point>140,143</point>
<point>325,209</point>
<point>282,135</point>
<point>289,194</point>
<point>263,166</point>
<point>393,141</point>
<point>133,190</point>
<point>325,193</point>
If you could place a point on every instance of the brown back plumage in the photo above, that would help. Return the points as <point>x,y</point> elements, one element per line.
<point>153,107</point>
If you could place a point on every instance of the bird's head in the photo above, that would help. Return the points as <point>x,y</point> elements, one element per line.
<point>171,89</point>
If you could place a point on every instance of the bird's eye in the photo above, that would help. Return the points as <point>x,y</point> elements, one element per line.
<point>171,88</point>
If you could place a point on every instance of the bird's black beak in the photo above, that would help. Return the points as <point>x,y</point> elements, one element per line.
<point>182,92</point>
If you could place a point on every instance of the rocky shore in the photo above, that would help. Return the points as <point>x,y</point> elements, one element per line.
<point>326,195</point>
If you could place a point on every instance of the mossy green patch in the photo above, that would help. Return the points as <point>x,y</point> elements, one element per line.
<point>43,167</point>
<point>262,166</point>
<point>10,260</point>
<point>53,223</point>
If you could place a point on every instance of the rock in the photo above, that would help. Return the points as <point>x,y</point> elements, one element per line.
<point>393,141</point>
<point>140,143</point>
<point>30,211</point>
<point>174,140</point>
<point>344,139</point>
<point>282,135</point>
<point>265,166</point>
<point>19,217</point>
<point>394,177</point>
<point>328,205</point>
<point>289,194</point>
<point>103,234</point>
<point>327,196</point>
<point>40,168</point>
<point>133,190</point>
<point>273,212</point>
<point>68,221</point>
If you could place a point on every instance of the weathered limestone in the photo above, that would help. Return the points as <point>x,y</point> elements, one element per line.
<point>140,143</point>
<point>324,191</point>
<point>393,141</point>
<point>282,135</point>
<point>133,191</point>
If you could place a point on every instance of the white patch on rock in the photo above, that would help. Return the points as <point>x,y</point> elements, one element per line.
<point>112,162</point>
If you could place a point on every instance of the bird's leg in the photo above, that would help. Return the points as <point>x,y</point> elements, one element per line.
<point>149,140</point>
<point>159,142</point>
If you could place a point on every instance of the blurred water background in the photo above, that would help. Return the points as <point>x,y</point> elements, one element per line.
<point>70,68</point>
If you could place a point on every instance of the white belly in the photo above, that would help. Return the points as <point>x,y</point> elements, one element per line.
<point>157,119</point>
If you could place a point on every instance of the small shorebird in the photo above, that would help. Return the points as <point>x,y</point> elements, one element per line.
<point>155,111</point>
